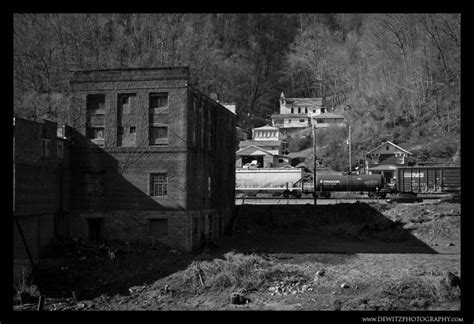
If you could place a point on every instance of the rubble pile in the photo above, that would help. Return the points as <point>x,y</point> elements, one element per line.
<point>289,288</point>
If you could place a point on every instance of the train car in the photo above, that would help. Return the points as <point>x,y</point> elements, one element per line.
<point>267,180</point>
<point>372,184</point>
<point>428,179</point>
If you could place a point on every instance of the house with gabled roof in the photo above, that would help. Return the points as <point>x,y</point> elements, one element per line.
<point>268,138</point>
<point>256,157</point>
<point>385,159</point>
<point>296,113</point>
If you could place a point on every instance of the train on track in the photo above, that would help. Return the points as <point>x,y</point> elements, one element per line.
<point>291,182</point>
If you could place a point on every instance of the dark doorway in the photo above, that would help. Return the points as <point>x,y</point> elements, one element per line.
<point>96,229</point>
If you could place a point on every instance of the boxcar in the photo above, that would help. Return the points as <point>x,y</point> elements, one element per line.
<point>428,179</point>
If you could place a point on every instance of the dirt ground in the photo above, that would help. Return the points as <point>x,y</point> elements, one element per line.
<point>385,257</point>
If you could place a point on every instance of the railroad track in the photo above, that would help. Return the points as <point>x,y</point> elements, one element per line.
<point>320,201</point>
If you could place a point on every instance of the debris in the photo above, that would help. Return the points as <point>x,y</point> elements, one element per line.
<point>40,303</point>
<point>451,279</point>
<point>344,285</point>
<point>238,299</point>
<point>320,272</point>
<point>136,289</point>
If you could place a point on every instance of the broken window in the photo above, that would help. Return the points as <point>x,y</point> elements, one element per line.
<point>95,133</point>
<point>158,119</point>
<point>159,185</point>
<point>95,116</point>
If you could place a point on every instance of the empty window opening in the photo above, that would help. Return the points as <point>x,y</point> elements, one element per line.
<point>95,116</point>
<point>158,119</point>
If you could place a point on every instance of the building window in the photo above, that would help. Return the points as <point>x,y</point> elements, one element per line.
<point>314,111</point>
<point>95,116</point>
<point>96,104</point>
<point>133,130</point>
<point>306,110</point>
<point>280,160</point>
<point>387,147</point>
<point>94,184</point>
<point>289,121</point>
<point>159,118</point>
<point>195,226</point>
<point>158,227</point>
<point>95,133</point>
<point>45,147</point>
<point>302,120</point>
<point>209,187</point>
<point>125,103</point>
<point>159,185</point>
<point>195,116</point>
<point>292,110</point>
<point>375,158</point>
<point>319,120</point>
<point>60,149</point>
<point>299,110</point>
<point>400,158</point>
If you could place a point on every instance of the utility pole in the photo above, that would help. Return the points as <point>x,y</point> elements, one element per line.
<point>313,127</point>
<point>350,157</point>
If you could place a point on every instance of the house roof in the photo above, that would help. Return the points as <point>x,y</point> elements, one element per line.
<point>305,102</point>
<point>253,150</point>
<point>266,127</point>
<point>388,142</point>
<point>260,143</point>
<point>383,168</point>
<point>327,115</point>
<point>290,115</point>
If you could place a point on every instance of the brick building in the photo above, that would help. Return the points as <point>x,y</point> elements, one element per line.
<point>41,182</point>
<point>154,158</point>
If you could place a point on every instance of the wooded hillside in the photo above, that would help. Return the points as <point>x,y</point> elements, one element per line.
<point>394,76</point>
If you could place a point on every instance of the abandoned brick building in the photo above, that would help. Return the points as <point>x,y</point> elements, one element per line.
<point>41,182</point>
<point>153,158</point>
